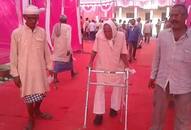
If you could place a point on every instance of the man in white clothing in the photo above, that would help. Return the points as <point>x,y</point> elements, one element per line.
<point>147,31</point>
<point>111,51</point>
<point>30,59</point>
<point>62,54</point>
<point>92,29</point>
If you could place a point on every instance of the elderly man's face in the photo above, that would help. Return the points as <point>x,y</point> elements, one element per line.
<point>107,31</point>
<point>31,20</point>
<point>177,17</point>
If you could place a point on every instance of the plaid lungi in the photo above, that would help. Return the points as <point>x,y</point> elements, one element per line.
<point>62,66</point>
<point>34,98</point>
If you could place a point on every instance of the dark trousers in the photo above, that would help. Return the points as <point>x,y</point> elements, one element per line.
<point>132,50</point>
<point>92,35</point>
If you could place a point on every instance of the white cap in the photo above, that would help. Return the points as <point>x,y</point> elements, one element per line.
<point>31,9</point>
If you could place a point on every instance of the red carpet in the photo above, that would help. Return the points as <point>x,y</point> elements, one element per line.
<point>67,103</point>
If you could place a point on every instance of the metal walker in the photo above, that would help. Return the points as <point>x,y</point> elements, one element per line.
<point>123,85</point>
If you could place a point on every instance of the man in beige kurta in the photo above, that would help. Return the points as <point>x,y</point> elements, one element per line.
<point>110,49</point>
<point>30,59</point>
<point>62,53</point>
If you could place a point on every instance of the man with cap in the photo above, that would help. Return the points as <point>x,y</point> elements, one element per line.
<point>30,59</point>
<point>111,51</point>
<point>62,53</point>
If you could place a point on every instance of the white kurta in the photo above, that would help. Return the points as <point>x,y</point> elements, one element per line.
<point>62,43</point>
<point>108,58</point>
<point>29,59</point>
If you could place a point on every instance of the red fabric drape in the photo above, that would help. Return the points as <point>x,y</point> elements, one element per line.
<point>9,20</point>
<point>70,7</point>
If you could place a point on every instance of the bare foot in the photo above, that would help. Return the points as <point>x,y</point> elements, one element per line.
<point>30,125</point>
<point>56,80</point>
<point>74,74</point>
<point>44,116</point>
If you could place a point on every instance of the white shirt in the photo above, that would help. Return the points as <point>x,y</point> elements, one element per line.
<point>92,27</point>
<point>172,62</point>
<point>147,28</point>
<point>62,43</point>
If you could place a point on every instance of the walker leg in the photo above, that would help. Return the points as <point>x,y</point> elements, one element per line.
<point>87,98</point>
<point>122,105</point>
<point>126,107</point>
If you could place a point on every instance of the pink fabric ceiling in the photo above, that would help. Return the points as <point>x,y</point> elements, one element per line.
<point>103,11</point>
<point>126,3</point>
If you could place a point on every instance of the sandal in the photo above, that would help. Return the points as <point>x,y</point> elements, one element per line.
<point>44,116</point>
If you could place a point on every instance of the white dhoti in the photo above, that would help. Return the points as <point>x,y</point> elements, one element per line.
<point>99,99</point>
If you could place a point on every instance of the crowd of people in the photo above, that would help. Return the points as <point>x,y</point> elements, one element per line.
<point>135,32</point>
<point>31,58</point>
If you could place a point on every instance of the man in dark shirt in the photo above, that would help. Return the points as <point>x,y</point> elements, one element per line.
<point>132,36</point>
